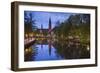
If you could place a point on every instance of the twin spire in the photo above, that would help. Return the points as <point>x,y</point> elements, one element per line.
<point>49,25</point>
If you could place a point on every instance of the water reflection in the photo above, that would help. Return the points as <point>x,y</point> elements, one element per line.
<point>55,50</point>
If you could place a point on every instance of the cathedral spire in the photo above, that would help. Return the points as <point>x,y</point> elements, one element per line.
<point>41,26</point>
<point>50,26</point>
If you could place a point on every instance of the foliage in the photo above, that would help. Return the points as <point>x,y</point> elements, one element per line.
<point>75,25</point>
<point>29,22</point>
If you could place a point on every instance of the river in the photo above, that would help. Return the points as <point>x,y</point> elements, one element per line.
<point>45,50</point>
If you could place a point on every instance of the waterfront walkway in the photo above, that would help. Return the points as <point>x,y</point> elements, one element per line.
<point>28,42</point>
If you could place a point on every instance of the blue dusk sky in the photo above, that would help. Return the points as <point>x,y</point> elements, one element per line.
<point>42,18</point>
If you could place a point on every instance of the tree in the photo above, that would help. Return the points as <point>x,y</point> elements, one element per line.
<point>75,25</point>
<point>29,22</point>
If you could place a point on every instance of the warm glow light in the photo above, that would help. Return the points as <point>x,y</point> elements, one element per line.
<point>88,48</point>
<point>26,35</point>
<point>28,50</point>
<point>30,34</point>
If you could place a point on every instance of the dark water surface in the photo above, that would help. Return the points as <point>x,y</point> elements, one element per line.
<point>51,50</point>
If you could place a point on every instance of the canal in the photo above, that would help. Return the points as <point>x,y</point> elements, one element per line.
<point>44,50</point>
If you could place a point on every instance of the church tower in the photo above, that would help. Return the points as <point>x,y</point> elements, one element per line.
<point>41,28</point>
<point>50,26</point>
<point>49,23</point>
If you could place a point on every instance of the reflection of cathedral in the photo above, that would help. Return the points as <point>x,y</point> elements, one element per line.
<point>48,33</point>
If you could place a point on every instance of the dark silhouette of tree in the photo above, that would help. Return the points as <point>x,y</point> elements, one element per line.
<point>29,22</point>
<point>75,25</point>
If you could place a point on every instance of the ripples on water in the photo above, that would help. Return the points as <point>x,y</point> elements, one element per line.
<point>49,50</point>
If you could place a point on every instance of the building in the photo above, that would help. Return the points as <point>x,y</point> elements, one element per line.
<point>45,32</point>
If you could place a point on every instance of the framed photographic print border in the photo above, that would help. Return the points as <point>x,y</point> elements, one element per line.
<point>15,35</point>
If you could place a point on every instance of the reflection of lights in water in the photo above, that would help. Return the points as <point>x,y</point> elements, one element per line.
<point>88,48</point>
<point>28,50</point>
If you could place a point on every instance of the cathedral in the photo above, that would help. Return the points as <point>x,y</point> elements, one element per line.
<point>44,31</point>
